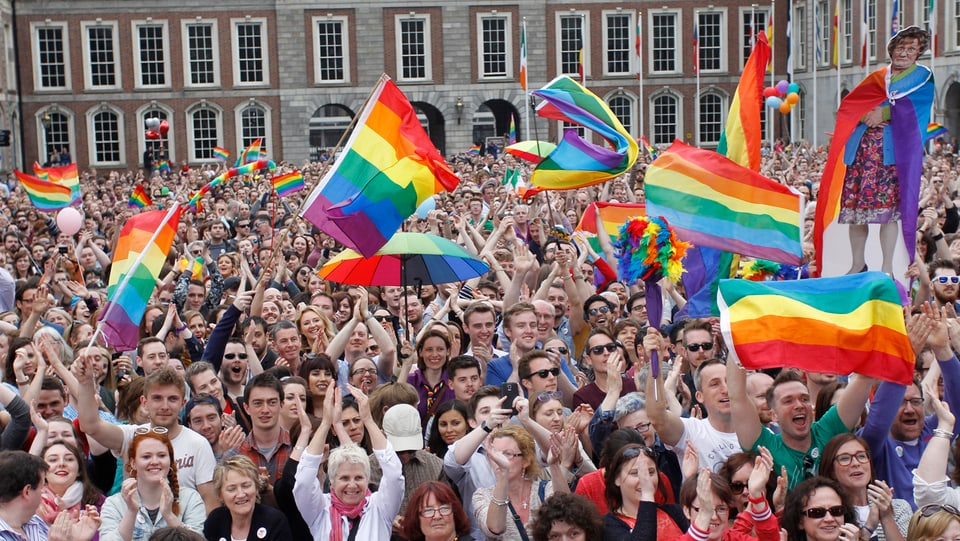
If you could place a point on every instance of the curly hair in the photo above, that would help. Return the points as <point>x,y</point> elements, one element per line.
<point>172,478</point>
<point>572,509</point>
<point>910,32</point>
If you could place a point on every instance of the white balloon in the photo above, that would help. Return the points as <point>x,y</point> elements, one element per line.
<point>152,123</point>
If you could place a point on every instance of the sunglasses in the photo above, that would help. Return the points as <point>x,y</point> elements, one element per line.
<point>146,430</point>
<point>232,356</point>
<point>244,225</point>
<point>544,373</point>
<point>562,350</point>
<point>706,346</point>
<point>381,319</point>
<point>933,508</point>
<point>820,512</point>
<point>738,487</point>
<point>951,279</point>
<point>601,310</point>
<point>597,350</point>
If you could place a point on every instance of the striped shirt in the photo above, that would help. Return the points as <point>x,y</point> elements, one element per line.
<point>35,528</point>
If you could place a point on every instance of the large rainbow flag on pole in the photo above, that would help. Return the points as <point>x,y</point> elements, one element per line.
<point>577,162</point>
<point>741,138</point>
<point>142,248</point>
<point>839,325</point>
<point>712,201</point>
<point>388,167</point>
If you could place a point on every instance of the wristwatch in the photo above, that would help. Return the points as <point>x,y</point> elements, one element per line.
<point>485,427</point>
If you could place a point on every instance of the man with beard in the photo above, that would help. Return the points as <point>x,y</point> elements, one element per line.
<point>414,312</point>
<point>945,283</point>
<point>758,383</point>
<point>800,442</point>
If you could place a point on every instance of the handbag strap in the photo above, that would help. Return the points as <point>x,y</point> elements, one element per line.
<point>516,520</point>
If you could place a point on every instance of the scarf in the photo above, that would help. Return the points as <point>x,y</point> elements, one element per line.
<point>339,509</point>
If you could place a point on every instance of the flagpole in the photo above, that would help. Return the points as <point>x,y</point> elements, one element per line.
<point>773,63</point>
<point>641,125</point>
<point>526,84</point>
<point>696,66</point>
<point>130,272</point>
<point>816,67</point>
<point>837,52</point>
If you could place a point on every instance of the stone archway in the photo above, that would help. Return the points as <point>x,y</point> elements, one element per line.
<point>327,126</point>
<point>433,123</point>
<point>492,119</point>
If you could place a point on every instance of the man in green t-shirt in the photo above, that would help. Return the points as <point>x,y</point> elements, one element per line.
<point>801,440</point>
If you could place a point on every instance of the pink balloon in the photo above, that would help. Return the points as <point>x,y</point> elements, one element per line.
<point>164,127</point>
<point>69,220</point>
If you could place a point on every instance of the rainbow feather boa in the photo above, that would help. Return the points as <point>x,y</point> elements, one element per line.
<point>648,250</point>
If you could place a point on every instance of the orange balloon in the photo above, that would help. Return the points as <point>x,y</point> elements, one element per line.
<point>785,107</point>
<point>793,98</point>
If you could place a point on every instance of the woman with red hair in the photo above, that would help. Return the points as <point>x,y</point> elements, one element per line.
<point>435,514</point>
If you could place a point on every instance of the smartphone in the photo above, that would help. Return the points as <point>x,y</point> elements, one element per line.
<point>511,390</point>
<point>62,249</point>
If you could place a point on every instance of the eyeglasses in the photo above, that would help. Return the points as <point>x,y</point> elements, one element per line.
<point>430,512</point>
<point>544,373</point>
<point>597,350</point>
<point>846,459</point>
<point>706,346</point>
<point>381,319</point>
<point>916,402</point>
<point>638,307</point>
<point>232,356</point>
<point>908,50</point>
<point>196,252</point>
<point>820,512</point>
<point>738,487</point>
<point>642,427</point>
<point>718,510</point>
<point>374,348</point>
<point>562,350</point>
<point>601,310</point>
<point>146,430</point>
<point>951,279</point>
<point>364,371</point>
<point>933,508</point>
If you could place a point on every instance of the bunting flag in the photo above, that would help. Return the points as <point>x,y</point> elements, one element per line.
<point>934,130</point>
<point>696,47</point>
<point>251,154</point>
<point>712,201</point>
<point>47,195</point>
<point>139,198</point>
<point>836,35</point>
<point>742,137</point>
<point>576,162</point>
<point>141,251</point>
<point>818,32</point>
<point>512,137</point>
<point>287,184</point>
<point>523,55</point>
<point>221,154</point>
<point>388,167</point>
<point>652,152</point>
<point>840,325</point>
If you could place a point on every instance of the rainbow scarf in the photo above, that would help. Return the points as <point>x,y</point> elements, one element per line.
<point>288,184</point>
<point>387,169</point>
<point>139,198</point>
<point>141,251</point>
<point>740,140</point>
<point>164,167</point>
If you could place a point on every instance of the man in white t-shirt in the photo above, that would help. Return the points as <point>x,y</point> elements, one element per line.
<point>163,397</point>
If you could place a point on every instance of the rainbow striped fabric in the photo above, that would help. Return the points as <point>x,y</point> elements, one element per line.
<point>251,154</point>
<point>652,152</point>
<point>577,162</point>
<point>49,195</point>
<point>40,171</point>
<point>613,215</point>
<point>221,154</point>
<point>65,175</point>
<point>711,201</point>
<point>741,138</point>
<point>164,167</point>
<point>512,136</point>
<point>288,183</point>
<point>837,325</point>
<point>141,251</point>
<point>474,150</point>
<point>139,198</point>
<point>935,129</point>
<point>388,167</point>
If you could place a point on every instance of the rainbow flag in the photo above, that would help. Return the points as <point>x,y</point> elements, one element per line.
<point>712,201</point>
<point>934,130</point>
<point>387,169</point>
<point>839,325</point>
<point>652,152</point>
<point>612,215</point>
<point>577,162</point>
<point>288,184</point>
<point>740,140</point>
<point>512,137</point>
<point>251,154</point>
<point>47,195</point>
<point>474,150</point>
<point>141,251</point>
<point>164,167</point>
<point>196,270</point>
<point>221,153</point>
<point>40,171</point>
<point>139,198</point>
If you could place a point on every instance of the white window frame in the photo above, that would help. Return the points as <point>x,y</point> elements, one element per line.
<point>679,37</point>
<point>724,36</point>
<point>170,141</point>
<point>651,112</point>
<point>799,37</point>
<point>265,50</point>
<point>188,119</point>
<point>900,24</point>
<point>137,68</point>
<point>953,30</point>
<point>631,42</point>
<point>85,27</point>
<point>42,134</point>
<point>743,33</point>
<point>267,127</point>
<point>91,136</point>
<point>35,50</point>
<point>215,48</point>
<point>11,58</point>
<point>826,34</point>
<point>631,98</point>
<point>873,30</point>
<point>427,45</point>
<point>345,35</point>
<point>846,44</point>
<point>584,37</point>
<point>508,45</point>
<point>724,109</point>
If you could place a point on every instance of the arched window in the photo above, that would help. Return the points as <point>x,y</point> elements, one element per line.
<point>253,126</point>
<point>622,106</point>
<point>155,144</point>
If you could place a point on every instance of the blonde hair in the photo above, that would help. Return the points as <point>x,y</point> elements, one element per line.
<point>525,443</point>
<point>924,528</point>
<point>240,464</point>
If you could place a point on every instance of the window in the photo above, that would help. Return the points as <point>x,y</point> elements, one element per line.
<point>496,53</point>
<point>801,116</point>
<point>572,41</point>
<point>799,36</point>
<point>664,47</point>
<point>872,29</point>
<point>201,65</point>
<point>100,69</point>
<point>710,119</point>
<point>709,40</point>
<point>956,24</point>
<point>155,144</point>
<point>846,32</point>
<point>754,22</point>
<point>253,126</point>
<point>55,134</point>
<point>896,23</point>
<point>106,137</point>
<point>413,48</point>
<point>666,119</point>
<point>622,106</point>
<point>11,57</point>
<point>618,45</point>
<point>150,53</point>
<point>205,125</point>
<point>331,61</point>
<point>250,51</point>
<point>823,31</point>
<point>49,57</point>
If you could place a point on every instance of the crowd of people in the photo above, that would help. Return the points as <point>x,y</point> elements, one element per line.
<point>263,401</point>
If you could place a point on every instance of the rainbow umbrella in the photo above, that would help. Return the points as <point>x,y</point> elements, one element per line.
<point>407,259</point>
<point>531,151</point>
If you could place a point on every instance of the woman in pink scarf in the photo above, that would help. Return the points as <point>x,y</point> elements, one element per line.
<point>350,510</point>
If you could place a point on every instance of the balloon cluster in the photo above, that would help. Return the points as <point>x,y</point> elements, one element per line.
<point>156,128</point>
<point>783,97</point>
